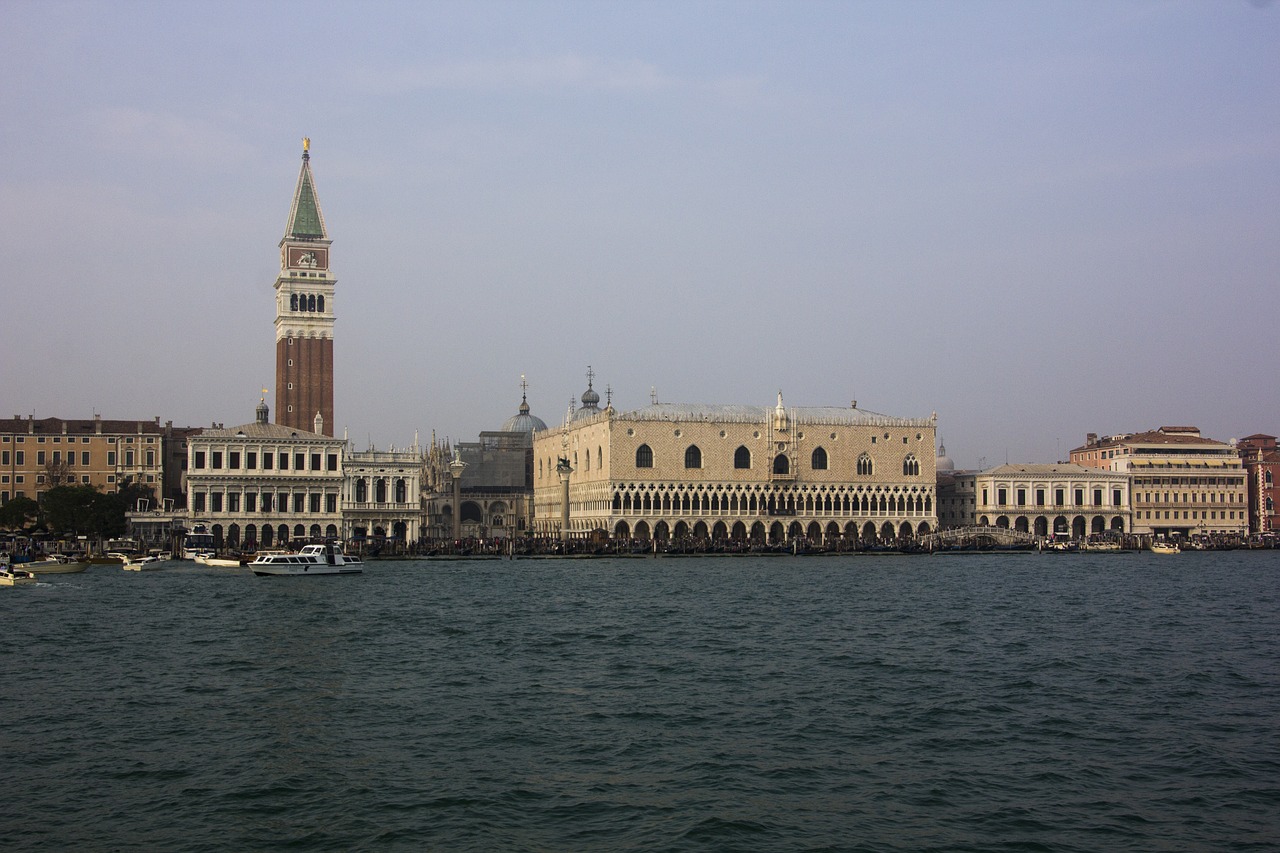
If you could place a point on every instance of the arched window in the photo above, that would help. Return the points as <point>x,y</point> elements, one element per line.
<point>781,464</point>
<point>362,490</point>
<point>819,459</point>
<point>644,456</point>
<point>401,491</point>
<point>693,457</point>
<point>911,466</point>
<point>320,304</point>
<point>293,302</point>
<point>742,458</point>
<point>380,490</point>
<point>311,302</point>
<point>599,458</point>
<point>865,467</point>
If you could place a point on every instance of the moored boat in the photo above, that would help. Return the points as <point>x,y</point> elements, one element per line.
<point>135,563</point>
<point>326,559</point>
<point>1164,548</point>
<point>219,562</point>
<point>58,564</point>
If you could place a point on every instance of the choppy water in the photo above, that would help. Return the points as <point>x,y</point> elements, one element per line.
<point>1038,703</point>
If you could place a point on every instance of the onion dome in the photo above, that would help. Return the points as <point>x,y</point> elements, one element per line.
<point>590,399</point>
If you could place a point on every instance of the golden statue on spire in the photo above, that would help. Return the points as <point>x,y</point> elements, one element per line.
<point>306,144</point>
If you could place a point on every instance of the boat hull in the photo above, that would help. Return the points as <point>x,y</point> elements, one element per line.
<point>285,569</point>
<point>56,567</point>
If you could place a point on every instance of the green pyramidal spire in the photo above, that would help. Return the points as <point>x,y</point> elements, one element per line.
<point>305,220</point>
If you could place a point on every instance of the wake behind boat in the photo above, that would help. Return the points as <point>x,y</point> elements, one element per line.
<point>326,559</point>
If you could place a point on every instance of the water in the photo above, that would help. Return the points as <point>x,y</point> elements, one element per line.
<point>1038,703</point>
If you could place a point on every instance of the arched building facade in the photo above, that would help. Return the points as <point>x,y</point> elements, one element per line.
<point>745,473</point>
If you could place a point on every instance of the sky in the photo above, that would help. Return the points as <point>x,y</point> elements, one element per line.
<point>1037,219</point>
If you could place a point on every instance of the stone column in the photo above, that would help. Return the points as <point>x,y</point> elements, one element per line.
<point>456,468</point>
<point>564,470</point>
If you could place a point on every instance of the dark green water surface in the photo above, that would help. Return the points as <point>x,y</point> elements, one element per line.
<point>976,703</point>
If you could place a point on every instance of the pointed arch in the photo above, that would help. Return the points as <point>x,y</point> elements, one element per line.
<point>644,456</point>
<point>866,468</point>
<point>818,460</point>
<point>742,457</point>
<point>693,456</point>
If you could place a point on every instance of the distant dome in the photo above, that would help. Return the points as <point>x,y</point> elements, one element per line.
<point>943,462</point>
<point>590,399</point>
<point>524,422</point>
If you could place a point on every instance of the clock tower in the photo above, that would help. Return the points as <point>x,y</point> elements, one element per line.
<point>304,313</point>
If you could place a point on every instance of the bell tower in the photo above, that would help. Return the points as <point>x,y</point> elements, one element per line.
<point>304,313</point>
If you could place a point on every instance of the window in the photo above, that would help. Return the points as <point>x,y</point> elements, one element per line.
<point>1021,497</point>
<point>128,458</point>
<point>217,460</point>
<point>19,457</point>
<point>284,461</point>
<point>693,457</point>
<point>330,503</point>
<point>233,460</point>
<point>266,501</point>
<point>267,459</point>
<point>299,461</point>
<point>197,501</point>
<point>1002,496</point>
<point>911,466</point>
<point>233,502</point>
<point>251,502</point>
<point>314,503</point>
<point>215,502</point>
<point>111,459</point>
<point>1039,497</point>
<point>1115,497</point>
<point>1097,497</point>
<point>865,466</point>
<point>742,458</point>
<point>644,456</point>
<point>299,501</point>
<point>819,459</point>
<point>4,457</point>
<point>315,461</point>
<point>151,458</point>
<point>1079,497</point>
<point>781,464</point>
<point>39,457</point>
<point>251,460</point>
<point>333,462</point>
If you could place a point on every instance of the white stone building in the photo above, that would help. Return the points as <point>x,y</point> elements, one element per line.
<point>732,472</point>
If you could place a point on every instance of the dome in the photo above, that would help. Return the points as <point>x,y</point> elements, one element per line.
<point>943,462</point>
<point>590,399</point>
<point>524,422</point>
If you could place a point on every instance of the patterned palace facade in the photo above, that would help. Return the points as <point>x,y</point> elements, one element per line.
<point>728,472</point>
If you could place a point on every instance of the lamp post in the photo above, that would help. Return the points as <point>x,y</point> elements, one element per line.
<point>564,470</point>
<point>456,468</point>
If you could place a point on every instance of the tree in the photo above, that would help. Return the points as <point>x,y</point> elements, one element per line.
<point>15,514</point>
<point>71,509</point>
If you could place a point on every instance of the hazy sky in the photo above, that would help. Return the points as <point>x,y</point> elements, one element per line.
<point>1038,219</point>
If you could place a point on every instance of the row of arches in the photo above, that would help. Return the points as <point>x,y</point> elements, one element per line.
<point>773,533</point>
<point>306,302</point>
<point>380,484</point>
<point>233,536</point>
<point>1077,527</point>
<point>644,502</point>
<point>818,460</point>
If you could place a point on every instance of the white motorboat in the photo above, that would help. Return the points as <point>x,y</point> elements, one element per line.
<point>136,563</point>
<point>1165,548</point>
<point>57,564</point>
<point>219,562</point>
<point>326,559</point>
<point>9,576</point>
